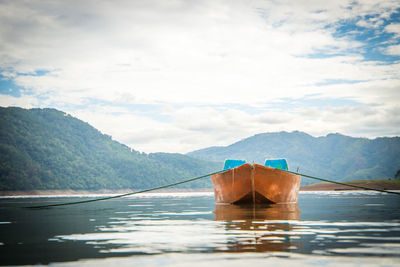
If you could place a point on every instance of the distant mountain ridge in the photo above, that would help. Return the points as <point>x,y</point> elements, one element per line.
<point>47,149</point>
<point>334,156</point>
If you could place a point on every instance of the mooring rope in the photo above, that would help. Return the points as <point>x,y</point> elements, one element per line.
<point>123,195</point>
<point>350,185</point>
<point>197,178</point>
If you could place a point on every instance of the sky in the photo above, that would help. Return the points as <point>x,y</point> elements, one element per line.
<point>181,75</point>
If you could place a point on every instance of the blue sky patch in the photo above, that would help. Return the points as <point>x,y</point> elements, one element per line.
<point>8,87</point>
<point>338,81</point>
<point>35,73</point>
<point>313,101</point>
<point>374,38</point>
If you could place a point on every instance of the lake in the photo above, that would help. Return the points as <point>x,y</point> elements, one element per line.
<point>350,228</point>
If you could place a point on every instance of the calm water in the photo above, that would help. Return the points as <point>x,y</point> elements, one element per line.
<point>181,229</point>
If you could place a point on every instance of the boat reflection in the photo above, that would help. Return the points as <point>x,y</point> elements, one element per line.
<point>260,228</point>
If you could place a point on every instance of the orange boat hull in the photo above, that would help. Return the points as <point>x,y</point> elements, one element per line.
<point>255,184</point>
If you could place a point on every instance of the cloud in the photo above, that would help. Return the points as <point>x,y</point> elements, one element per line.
<point>393,50</point>
<point>192,127</point>
<point>393,28</point>
<point>22,101</point>
<point>179,75</point>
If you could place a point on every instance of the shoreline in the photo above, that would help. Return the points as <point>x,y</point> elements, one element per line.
<point>375,184</point>
<point>94,192</point>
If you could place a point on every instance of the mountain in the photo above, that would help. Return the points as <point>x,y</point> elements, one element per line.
<point>47,149</point>
<point>42,149</point>
<point>334,156</point>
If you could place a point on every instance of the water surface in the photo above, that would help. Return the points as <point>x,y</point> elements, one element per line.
<point>324,228</point>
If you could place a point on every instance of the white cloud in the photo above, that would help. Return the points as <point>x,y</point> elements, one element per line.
<point>22,101</point>
<point>194,127</point>
<point>393,28</point>
<point>206,62</point>
<point>393,50</point>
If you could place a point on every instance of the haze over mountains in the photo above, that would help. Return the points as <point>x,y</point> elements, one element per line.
<point>43,149</point>
<point>334,156</point>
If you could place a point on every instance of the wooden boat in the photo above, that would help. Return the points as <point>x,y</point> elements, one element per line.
<point>255,184</point>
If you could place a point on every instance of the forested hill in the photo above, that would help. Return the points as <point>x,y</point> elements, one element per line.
<point>43,149</point>
<point>333,156</point>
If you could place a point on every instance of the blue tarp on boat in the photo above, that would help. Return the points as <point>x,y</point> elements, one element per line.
<point>232,163</point>
<point>277,163</point>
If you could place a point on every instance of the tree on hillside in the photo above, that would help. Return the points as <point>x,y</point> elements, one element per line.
<point>47,149</point>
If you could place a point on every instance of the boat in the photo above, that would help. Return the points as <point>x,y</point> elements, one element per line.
<point>244,183</point>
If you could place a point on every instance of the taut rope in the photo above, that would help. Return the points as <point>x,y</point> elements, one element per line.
<point>197,178</point>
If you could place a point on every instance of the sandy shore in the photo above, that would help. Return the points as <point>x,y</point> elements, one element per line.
<point>376,184</point>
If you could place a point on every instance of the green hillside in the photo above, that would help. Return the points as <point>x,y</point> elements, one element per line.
<point>334,156</point>
<point>43,149</point>
<point>46,149</point>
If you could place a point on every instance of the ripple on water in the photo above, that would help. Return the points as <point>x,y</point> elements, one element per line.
<point>329,229</point>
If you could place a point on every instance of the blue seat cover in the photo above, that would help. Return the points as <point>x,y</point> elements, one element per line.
<point>232,163</point>
<point>277,163</point>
